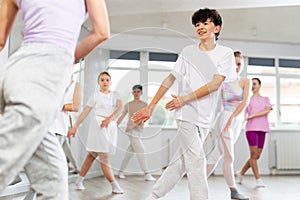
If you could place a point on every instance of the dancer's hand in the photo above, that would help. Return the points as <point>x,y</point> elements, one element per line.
<point>72,132</point>
<point>105,122</point>
<point>175,103</point>
<point>142,115</point>
<point>249,117</point>
<point>228,124</point>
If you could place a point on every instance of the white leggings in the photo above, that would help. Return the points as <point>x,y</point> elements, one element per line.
<point>225,147</point>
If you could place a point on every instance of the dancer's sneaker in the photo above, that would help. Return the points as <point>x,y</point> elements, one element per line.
<point>79,183</point>
<point>235,194</point>
<point>116,188</point>
<point>149,177</point>
<point>240,178</point>
<point>121,175</point>
<point>259,183</point>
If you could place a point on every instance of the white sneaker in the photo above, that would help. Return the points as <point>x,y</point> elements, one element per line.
<point>149,177</point>
<point>116,188</point>
<point>259,183</point>
<point>239,178</point>
<point>121,175</point>
<point>79,185</point>
<point>117,191</point>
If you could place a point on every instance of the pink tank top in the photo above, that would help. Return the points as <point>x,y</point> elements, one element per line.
<point>56,22</point>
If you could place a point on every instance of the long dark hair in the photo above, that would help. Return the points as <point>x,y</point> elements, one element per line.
<point>258,80</point>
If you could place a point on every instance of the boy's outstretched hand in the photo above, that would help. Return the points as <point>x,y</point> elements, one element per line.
<point>175,103</point>
<point>142,115</point>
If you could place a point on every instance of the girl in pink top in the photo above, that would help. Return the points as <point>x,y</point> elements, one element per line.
<point>256,128</point>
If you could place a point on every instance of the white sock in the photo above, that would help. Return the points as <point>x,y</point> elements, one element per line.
<point>79,179</point>
<point>116,188</point>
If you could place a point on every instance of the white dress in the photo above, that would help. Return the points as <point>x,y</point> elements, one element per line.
<point>105,139</point>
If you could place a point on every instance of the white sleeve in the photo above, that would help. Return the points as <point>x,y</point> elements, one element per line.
<point>117,96</point>
<point>179,69</point>
<point>226,66</point>
<point>69,94</point>
<point>92,101</point>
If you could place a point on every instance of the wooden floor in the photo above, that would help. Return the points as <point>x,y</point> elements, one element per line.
<point>278,188</point>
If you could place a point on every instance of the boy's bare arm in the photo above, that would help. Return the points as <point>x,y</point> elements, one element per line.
<point>208,88</point>
<point>145,113</point>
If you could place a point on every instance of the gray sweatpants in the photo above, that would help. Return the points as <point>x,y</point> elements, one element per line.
<point>190,160</point>
<point>136,146</point>
<point>32,85</point>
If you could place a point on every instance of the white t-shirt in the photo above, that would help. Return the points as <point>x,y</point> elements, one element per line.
<point>193,69</point>
<point>104,104</point>
<point>61,121</point>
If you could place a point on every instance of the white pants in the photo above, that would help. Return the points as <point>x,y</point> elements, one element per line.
<point>31,88</point>
<point>189,160</point>
<point>136,146</point>
<point>225,147</point>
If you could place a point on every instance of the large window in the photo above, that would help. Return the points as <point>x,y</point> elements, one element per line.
<point>289,66</point>
<point>159,67</point>
<point>290,101</point>
<point>280,82</point>
<point>129,68</point>
<point>261,66</point>
<point>161,116</point>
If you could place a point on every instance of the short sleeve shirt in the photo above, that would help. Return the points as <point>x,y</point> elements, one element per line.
<point>104,104</point>
<point>258,104</point>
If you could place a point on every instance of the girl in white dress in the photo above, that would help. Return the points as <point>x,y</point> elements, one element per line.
<point>102,137</point>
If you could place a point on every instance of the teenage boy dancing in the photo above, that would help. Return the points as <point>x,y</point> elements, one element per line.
<point>200,70</point>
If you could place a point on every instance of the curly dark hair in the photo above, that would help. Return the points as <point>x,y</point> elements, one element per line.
<point>202,15</point>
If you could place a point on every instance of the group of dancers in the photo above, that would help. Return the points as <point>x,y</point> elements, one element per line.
<point>36,76</point>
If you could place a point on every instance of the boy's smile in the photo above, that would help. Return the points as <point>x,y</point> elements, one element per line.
<point>206,29</point>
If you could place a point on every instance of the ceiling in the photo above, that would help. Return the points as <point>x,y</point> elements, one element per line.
<point>131,7</point>
<point>243,20</point>
<point>255,20</point>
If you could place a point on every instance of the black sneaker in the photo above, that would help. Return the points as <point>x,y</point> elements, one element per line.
<point>236,195</point>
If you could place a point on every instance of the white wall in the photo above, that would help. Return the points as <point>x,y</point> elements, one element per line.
<point>128,42</point>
